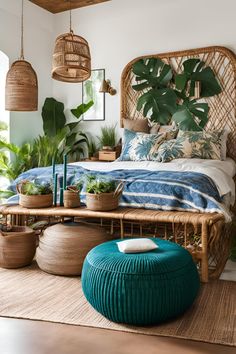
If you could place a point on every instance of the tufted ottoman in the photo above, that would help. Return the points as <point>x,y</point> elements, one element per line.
<point>142,288</point>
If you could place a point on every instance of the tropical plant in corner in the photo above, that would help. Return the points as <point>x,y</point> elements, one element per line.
<point>165,96</point>
<point>65,138</point>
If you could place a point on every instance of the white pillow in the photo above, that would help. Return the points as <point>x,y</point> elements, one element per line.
<point>137,245</point>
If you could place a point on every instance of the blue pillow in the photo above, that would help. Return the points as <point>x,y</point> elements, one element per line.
<point>140,146</point>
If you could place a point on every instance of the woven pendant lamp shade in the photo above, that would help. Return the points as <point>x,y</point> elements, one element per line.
<point>21,91</point>
<point>71,59</point>
<point>21,87</point>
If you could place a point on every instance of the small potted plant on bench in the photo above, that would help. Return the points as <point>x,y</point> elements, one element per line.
<point>72,195</point>
<point>34,195</point>
<point>102,194</point>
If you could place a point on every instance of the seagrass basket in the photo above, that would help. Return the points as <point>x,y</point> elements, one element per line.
<point>104,201</point>
<point>71,197</point>
<point>63,247</point>
<point>17,247</point>
<point>34,201</point>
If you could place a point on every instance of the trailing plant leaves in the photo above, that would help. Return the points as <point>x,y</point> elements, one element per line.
<point>81,109</point>
<point>53,116</point>
<point>191,115</point>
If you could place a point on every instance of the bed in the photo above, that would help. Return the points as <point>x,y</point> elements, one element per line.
<point>199,195</point>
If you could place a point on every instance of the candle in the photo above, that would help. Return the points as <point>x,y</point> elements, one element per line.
<point>55,189</point>
<point>61,196</point>
<point>65,172</point>
<point>53,167</point>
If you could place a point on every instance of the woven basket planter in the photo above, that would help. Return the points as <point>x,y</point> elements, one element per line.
<point>35,201</point>
<point>71,198</point>
<point>63,247</point>
<point>104,201</point>
<point>17,247</point>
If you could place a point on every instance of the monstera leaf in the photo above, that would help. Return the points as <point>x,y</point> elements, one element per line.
<point>191,115</point>
<point>159,105</point>
<point>194,70</point>
<point>151,73</point>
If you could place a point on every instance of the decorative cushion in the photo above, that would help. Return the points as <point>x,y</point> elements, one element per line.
<point>137,125</point>
<point>137,245</point>
<point>142,288</point>
<point>140,146</point>
<point>170,130</point>
<point>207,144</point>
<point>203,145</point>
<point>154,127</point>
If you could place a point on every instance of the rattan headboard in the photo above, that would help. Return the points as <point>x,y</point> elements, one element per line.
<point>222,107</point>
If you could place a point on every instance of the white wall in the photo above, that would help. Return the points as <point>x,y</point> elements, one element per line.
<point>120,30</point>
<point>117,31</point>
<point>39,44</point>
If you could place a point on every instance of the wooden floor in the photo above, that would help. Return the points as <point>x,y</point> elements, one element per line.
<point>35,337</point>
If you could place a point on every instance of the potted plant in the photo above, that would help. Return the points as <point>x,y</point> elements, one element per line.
<point>102,194</point>
<point>92,150</point>
<point>34,195</point>
<point>108,137</point>
<point>72,195</point>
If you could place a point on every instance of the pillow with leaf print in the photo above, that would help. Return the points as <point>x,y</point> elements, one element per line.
<point>203,145</point>
<point>206,144</point>
<point>174,149</point>
<point>216,138</point>
<point>140,146</point>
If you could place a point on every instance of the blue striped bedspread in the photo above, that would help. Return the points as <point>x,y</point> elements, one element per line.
<point>159,190</point>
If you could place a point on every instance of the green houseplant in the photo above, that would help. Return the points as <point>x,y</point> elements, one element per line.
<point>102,194</point>
<point>108,137</point>
<point>165,96</point>
<point>34,195</point>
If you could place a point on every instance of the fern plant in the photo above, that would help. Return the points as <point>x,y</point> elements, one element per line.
<point>108,136</point>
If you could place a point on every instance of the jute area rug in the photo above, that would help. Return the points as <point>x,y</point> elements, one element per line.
<point>30,293</point>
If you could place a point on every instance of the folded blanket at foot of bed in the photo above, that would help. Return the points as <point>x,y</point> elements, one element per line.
<point>159,190</point>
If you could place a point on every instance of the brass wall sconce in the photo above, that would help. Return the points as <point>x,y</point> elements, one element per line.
<point>107,88</point>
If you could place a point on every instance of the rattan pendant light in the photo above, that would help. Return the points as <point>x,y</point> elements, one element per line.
<point>21,92</point>
<point>71,58</point>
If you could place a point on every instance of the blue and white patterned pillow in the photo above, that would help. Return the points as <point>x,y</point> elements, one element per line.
<point>140,146</point>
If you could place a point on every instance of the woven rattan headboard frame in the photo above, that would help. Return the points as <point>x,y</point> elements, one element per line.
<point>222,107</point>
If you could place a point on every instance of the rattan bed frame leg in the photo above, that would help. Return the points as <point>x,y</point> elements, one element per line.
<point>204,259</point>
<point>121,228</point>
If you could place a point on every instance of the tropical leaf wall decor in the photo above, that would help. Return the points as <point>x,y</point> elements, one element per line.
<point>166,96</point>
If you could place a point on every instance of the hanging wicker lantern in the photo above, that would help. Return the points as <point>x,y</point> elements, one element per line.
<point>21,91</point>
<point>21,87</point>
<point>71,58</point>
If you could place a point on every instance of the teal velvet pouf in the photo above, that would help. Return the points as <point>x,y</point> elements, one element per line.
<point>142,288</point>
